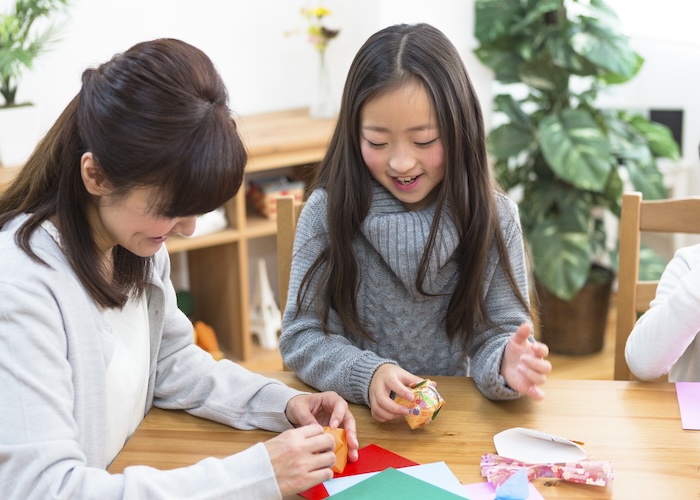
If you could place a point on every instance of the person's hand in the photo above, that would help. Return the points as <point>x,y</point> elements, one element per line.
<point>325,408</point>
<point>390,378</point>
<point>524,365</point>
<point>301,458</point>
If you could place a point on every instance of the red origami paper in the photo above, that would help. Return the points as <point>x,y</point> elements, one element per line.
<point>372,458</point>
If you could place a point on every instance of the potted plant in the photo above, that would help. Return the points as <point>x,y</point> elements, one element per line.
<point>562,156</point>
<point>21,41</point>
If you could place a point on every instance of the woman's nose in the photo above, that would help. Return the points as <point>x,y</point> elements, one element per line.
<point>185,225</point>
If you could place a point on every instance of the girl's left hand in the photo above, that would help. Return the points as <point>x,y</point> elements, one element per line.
<point>325,408</point>
<point>524,365</point>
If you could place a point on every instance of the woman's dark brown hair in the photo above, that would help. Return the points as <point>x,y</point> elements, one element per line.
<point>389,59</point>
<point>156,115</point>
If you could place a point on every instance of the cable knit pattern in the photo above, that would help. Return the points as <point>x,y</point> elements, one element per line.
<point>408,325</point>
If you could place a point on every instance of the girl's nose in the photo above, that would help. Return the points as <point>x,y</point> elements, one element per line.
<point>185,225</point>
<point>401,160</point>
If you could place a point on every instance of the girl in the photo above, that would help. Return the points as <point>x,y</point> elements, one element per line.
<point>90,334</point>
<point>407,261</point>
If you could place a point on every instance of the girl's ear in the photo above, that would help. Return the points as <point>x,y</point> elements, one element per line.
<point>93,176</point>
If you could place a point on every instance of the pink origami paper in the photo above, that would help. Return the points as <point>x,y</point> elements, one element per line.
<point>497,469</point>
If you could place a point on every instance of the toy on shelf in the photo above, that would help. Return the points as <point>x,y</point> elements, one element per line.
<point>265,317</point>
<point>205,338</point>
<point>204,335</point>
<point>263,193</point>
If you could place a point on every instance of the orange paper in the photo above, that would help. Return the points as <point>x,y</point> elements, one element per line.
<point>341,448</point>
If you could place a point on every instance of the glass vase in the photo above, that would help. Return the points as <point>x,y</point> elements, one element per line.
<point>322,103</point>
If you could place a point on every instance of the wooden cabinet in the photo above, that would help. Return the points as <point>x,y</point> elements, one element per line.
<point>218,262</point>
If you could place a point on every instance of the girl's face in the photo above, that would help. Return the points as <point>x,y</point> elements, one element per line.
<point>401,144</point>
<point>129,220</point>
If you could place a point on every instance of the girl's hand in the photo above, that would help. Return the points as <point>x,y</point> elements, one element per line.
<point>325,408</point>
<point>390,378</point>
<point>301,458</point>
<point>524,365</point>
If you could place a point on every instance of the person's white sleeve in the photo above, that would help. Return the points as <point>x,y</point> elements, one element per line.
<point>664,332</point>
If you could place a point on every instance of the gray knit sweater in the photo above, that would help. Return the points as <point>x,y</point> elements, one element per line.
<point>409,327</point>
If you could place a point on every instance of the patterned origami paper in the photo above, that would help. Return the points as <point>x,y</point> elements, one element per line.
<point>497,469</point>
<point>425,406</point>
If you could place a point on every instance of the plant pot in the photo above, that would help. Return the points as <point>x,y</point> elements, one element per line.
<point>19,126</point>
<point>577,327</point>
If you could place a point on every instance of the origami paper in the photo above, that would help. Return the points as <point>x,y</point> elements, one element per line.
<point>341,448</point>
<point>425,406</point>
<point>497,469</point>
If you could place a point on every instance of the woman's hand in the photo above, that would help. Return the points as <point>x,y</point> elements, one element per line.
<point>325,408</point>
<point>390,378</point>
<point>301,458</point>
<point>524,365</point>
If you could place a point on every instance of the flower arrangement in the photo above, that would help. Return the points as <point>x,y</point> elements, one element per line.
<point>319,35</point>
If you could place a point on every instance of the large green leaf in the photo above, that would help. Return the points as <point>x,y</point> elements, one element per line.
<point>610,78</point>
<point>625,142</point>
<point>658,136</point>
<point>504,63</point>
<point>556,41</point>
<point>543,75</point>
<point>533,20</point>
<point>647,178</point>
<point>509,140</point>
<point>494,18</point>
<point>561,260</point>
<point>512,109</point>
<point>576,149</point>
<point>602,46</point>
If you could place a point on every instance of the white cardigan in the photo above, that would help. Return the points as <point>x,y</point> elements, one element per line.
<point>54,349</point>
<point>665,338</point>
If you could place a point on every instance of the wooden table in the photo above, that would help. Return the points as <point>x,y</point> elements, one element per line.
<point>634,425</point>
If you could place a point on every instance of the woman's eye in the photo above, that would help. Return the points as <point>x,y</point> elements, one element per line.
<point>427,143</point>
<point>375,144</point>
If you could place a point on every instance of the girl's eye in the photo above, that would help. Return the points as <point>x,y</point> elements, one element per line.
<point>375,144</point>
<point>427,143</point>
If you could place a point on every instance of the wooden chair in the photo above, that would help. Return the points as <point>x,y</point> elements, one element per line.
<point>288,210</point>
<point>681,215</point>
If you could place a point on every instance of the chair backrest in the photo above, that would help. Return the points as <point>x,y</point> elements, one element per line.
<point>680,215</point>
<point>288,210</point>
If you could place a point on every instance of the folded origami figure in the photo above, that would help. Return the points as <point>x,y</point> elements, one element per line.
<point>425,405</point>
<point>341,448</point>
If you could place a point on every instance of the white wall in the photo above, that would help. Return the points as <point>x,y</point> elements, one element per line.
<point>266,70</point>
<point>263,68</point>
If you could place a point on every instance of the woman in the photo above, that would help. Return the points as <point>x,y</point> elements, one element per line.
<point>90,334</point>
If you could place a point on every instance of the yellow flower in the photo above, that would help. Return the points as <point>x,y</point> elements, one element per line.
<point>318,12</point>
<point>319,35</point>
